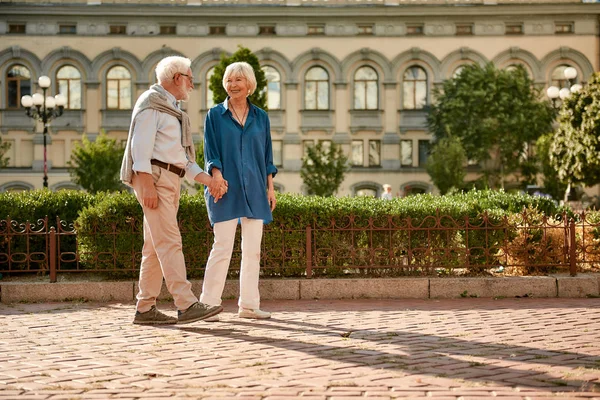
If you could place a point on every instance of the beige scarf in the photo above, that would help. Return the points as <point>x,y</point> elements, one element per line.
<point>156,99</point>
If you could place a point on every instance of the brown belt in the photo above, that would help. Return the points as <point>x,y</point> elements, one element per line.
<point>169,167</point>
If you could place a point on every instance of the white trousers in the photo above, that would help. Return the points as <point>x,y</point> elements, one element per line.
<point>220,257</point>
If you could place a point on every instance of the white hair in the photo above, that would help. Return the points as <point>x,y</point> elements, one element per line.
<point>241,69</point>
<point>169,66</point>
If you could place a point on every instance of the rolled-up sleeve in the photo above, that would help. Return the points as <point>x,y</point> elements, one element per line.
<point>271,168</point>
<point>212,151</point>
<point>191,170</point>
<point>142,140</point>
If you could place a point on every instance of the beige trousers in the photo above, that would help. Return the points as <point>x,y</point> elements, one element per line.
<point>220,257</point>
<point>162,254</point>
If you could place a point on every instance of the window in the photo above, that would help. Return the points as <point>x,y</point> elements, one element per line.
<point>366,94</point>
<point>209,93</point>
<point>16,29</point>
<point>563,27</point>
<point>513,29</point>
<point>266,30</point>
<point>366,192</point>
<point>365,30</point>
<point>118,29</point>
<point>464,29</point>
<point>406,151</point>
<point>514,67</point>
<point>316,89</point>
<point>305,145</point>
<point>18,84</point>
<point>168,29</point>
<point>558,77</point>
<point>68,81</point>
<point>216,30</point>
<point>67,29</point>
<point>273,87</point>
<point>316,30</point>
<point>415,88</point>
<point>458,70</point>
<point>277,153</point>
<point>357,153</point>
<point>118,89</point>
<point>414,30</point>
<point>423,152</point>
<point>325,145</point>
<point>374,153</point>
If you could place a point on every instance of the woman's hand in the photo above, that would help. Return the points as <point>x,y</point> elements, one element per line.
<point>271,198</point>
<point>218,186</point>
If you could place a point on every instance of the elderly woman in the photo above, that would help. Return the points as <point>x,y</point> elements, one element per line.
<point>238,149</point>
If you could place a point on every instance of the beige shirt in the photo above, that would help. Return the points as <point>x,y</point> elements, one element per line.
<point>157,135</point>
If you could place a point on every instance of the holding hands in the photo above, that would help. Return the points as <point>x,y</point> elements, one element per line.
<point>217,186</point>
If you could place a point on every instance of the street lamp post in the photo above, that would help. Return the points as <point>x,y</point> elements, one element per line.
<point>554,92</point>
<point>45,110</point>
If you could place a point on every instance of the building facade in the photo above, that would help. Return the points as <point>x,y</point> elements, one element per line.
<point>359,73</point>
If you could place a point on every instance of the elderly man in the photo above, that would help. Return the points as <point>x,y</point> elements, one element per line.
<point>160,152</point>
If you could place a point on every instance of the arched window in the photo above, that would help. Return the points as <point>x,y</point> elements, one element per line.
<point>458,70</point>
<point>18,83</point>
<point>118,88</point>
<point>366,89</point>
<point>415,88</point>
<point>209,93</point>
<point>68,80</point>
<point>273,88</point>
<point>316,89</point>
<point>558,77</point>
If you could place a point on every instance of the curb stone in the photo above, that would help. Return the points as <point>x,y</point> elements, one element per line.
<point>560,285</point>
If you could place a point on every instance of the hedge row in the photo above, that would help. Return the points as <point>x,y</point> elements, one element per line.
<point>109,228</point>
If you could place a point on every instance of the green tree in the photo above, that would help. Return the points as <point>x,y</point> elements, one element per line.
<point>95,166</point>
<point>575,149</point>
<point>495,114</point>
<point>323,169</point>
<point>552,184</point>
<point>4,147</point>
<point>446,164</point>
<point>259,97</point>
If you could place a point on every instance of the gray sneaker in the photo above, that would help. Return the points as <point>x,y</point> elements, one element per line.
<point>153,317</point>
<point>197,312</point>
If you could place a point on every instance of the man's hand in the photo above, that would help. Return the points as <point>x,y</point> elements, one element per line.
<point>149,195</point>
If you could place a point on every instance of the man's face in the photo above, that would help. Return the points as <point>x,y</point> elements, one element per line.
<point>185,83</point>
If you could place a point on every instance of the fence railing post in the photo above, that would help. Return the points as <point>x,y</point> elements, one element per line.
<point>573,249</point>
<point>308,252</point>
<point>52,254</point>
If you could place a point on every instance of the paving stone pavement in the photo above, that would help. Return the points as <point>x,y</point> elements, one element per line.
<point>457,349</point>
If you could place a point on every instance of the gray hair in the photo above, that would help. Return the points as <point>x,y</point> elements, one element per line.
<point>169,66</point>
<point>241,69</point>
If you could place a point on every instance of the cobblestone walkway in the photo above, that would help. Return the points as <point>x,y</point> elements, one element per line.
<point>335,350</point>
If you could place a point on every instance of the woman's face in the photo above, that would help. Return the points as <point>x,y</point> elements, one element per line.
<point>236,87</point>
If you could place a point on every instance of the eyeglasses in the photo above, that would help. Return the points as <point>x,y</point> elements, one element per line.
<point>190,78</point>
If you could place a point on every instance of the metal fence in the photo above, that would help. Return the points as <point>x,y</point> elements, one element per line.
<point>522,244</point>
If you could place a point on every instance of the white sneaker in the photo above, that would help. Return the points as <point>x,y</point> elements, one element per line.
<point>214,318</point>
<point>254,314</point>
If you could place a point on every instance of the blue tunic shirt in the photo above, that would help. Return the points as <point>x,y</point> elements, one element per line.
<point>245,158</point>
